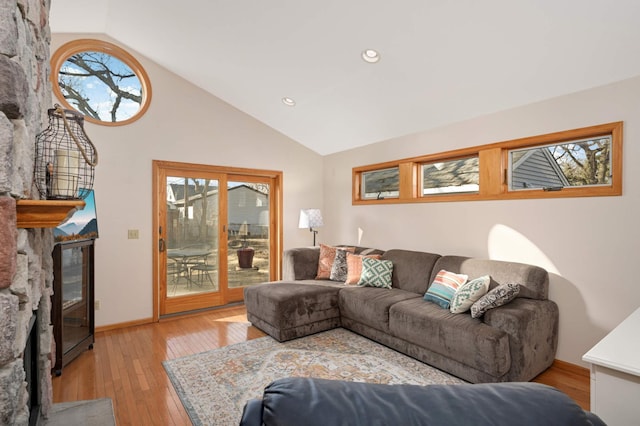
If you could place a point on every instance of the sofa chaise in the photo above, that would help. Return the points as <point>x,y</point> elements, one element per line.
<point>511,343</point>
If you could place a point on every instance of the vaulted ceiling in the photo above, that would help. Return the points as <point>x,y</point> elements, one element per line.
<point>440,61</point>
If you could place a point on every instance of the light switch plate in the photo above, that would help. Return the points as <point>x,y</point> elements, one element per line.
<point>133,234</point>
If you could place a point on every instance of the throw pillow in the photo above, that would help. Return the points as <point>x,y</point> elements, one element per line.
<point>376,273</point>
<point>468,293</point>
<point>325,262</point>
<point>369,251</point>
<point>499,296</point>
<point>443,287</point>
<point>354,267</point>
<point>339,267</point>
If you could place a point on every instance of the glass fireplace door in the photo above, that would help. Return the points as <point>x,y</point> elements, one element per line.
<point>73,299</point>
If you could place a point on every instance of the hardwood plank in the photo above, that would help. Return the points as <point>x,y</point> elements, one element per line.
<point>569,378</point>
<point>126,366</point>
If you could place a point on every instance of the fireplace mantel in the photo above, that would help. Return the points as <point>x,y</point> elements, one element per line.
<point>45,213</point>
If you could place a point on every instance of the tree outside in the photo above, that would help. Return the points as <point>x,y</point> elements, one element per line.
<point>100,86</point>
<point>586,162</point>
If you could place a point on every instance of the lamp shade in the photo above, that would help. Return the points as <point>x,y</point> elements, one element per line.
<point>310,218</point>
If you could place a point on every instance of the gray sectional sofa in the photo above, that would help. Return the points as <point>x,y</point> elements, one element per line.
<point>514,342</point>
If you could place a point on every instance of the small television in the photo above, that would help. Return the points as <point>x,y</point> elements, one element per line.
<point>81,225</point>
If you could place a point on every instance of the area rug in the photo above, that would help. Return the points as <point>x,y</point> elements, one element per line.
<point>214,385</point>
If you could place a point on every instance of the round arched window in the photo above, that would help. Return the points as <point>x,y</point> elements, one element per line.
<point>100,80</point>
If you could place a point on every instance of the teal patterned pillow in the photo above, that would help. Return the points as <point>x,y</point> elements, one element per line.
<point>376,273</point>
<point>468,293</point>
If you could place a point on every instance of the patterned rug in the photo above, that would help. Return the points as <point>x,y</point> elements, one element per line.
<point>214,385</point>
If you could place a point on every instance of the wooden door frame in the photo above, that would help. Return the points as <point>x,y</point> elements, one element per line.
<point>158,196</point>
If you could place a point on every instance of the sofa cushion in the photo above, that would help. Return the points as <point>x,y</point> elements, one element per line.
<point>411,269</point>
<point>499,296</point>
<point>366,251</point>
<point>300,263</point>
<point>460,337</point>
<point>286,305</point>
<point>469,293</point>
<point>354,267</point>
<point>325,262</point>
<point>444,287</point>
<point>339,268</point>
<point>376,273</point>
<point>370,305</point>
<point>319,402</point>
<point>533,280</point>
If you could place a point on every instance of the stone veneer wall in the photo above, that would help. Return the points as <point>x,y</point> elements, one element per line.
<point>26,267</point>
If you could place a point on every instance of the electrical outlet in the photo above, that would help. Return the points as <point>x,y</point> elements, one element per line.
<point>97,304</point>
<point>133,234</point>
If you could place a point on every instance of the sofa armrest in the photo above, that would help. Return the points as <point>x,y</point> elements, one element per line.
<point>532,326</point>
<point>300,263</point>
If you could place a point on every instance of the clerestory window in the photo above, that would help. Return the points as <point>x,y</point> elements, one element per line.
<point>381,184</point>
<point>451,176</point>
<point>584,162</point>
<point>577,163</point>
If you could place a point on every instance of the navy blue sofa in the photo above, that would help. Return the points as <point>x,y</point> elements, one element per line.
<point>311,402</point>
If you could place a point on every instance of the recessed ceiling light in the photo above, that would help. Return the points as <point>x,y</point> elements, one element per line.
<point>371,56</point>
<point>288,101</point>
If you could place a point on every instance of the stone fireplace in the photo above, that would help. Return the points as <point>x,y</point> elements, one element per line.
<point>26,266</point>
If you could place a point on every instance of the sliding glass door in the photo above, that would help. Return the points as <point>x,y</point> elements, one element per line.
<point>191,235</point>
<point>217,232</point>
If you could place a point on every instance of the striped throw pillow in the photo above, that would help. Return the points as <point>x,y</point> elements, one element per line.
<point>443,287</point>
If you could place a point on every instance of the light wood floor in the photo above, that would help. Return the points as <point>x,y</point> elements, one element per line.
<point>126,366</point>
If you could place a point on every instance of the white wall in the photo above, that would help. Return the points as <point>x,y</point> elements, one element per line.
<point>590,245</point>
<point>184,124</point>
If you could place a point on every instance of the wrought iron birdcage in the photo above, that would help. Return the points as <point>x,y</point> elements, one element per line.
<point>65,157</point>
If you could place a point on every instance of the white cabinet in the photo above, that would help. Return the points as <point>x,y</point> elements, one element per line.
<point>615,374</point>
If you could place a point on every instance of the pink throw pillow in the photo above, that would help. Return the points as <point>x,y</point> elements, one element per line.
<point>354,267</point>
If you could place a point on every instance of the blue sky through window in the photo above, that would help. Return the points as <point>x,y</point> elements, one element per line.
<point>98,94</point>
